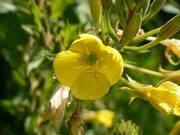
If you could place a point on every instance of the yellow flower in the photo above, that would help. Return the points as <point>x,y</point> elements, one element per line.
<point>89,67</point>
<point>173,45</point>
<point>56,106</point>
<point>165,98</point>
<point>176,129</point>
<point>105,117</point>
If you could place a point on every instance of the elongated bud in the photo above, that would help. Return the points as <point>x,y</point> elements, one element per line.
<point>96,11</point>
<point>131,4</point>
<point>106,4</point>
<point>143,5</point>
<point>122,11</point>
<point>170,28</point>
<point>154,9</point>
<point>131,28</point>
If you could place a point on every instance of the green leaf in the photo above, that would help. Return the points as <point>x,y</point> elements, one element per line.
<point>96,11</point>
<point>154,9</point>
<point>37,57</point>
<point>23,6</point>
<point>58,7</point>
<point>36,14</point>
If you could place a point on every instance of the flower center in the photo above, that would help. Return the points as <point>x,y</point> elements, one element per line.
<point>91,59</point>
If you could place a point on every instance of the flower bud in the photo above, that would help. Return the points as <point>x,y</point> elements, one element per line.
<point>57,104</point>
<point>131,28</point>
<point>131,4</point>
<point>96,11</point>
<point>170,28</point>
<point>122,11</point>
<point>106,4</point>
<point>154,9</point>
<point>143,5</point>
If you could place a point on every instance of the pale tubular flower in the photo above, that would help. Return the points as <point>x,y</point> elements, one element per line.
<point>89,67</point>
<point>105,117</point>
<point>57,104</point>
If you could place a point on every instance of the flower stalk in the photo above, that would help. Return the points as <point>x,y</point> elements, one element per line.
<point>147,71</point>
<point>109,27</point>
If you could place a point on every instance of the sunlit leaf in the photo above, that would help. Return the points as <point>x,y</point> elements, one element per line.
<point>6,6</point>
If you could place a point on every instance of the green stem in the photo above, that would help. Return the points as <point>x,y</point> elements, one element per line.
<point>109,27</point>
<point>146,46</point>
<point>147,71</point>
<point>77,106</point>
<point>138,92</point>
<point>103,31</point>
<point>140,38</point>
<point>128,83</point>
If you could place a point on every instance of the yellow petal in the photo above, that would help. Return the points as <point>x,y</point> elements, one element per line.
<point>90,86</point>
<point>176,110</point>
<point>164,108</point>
<point>105,117</point>
<point>169,86</point>
<point>86,43</point>
<point>65,64</point>
<point>163,95</point>
<point>111,64</point>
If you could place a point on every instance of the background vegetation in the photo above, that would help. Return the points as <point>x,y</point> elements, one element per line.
<point>31,33</point>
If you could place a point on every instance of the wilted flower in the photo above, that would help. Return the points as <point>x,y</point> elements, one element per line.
<point>89,67</point>
<point>57,104</point>
<point>105,117</point>
<point>165,98</point>
<point>173,45</point>
<point>76,125</point>
<point>173,76</point>
<point>176,129</point>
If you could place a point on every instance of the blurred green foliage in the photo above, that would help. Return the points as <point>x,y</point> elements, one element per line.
<point>31,33</point>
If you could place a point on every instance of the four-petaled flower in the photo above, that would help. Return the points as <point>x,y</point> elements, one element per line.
<point>89,67</point>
